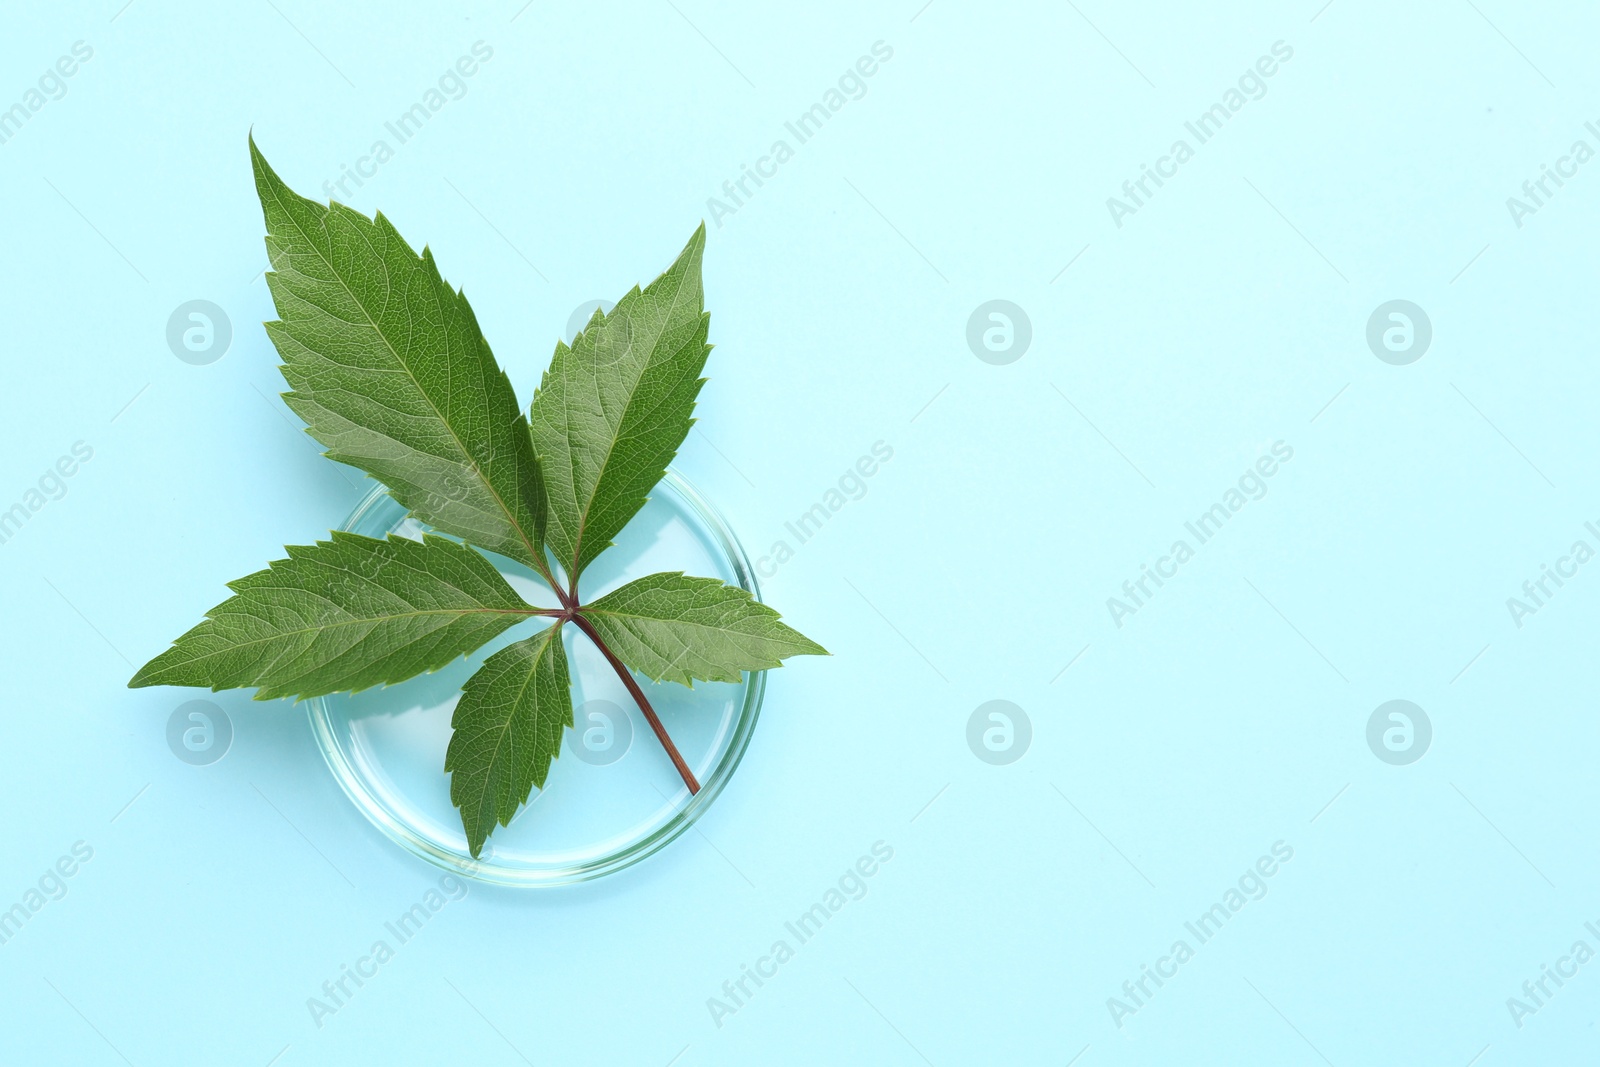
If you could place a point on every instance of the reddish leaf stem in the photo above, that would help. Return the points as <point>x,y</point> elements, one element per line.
<point>639,698</point>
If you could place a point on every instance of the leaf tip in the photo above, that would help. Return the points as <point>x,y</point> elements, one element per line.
<point>150,674</point>
<point>256,157</point>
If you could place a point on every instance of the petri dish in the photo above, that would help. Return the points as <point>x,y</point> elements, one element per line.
<point>612,797</point>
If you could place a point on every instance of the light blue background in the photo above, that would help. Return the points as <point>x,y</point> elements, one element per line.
<point>1227,314</point>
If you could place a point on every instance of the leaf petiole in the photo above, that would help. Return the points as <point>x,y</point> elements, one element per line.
<point>639,698</point>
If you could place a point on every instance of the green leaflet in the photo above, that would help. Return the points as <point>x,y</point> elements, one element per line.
<point>508,727</point>
<point>612,410</point>
<point>391,373</point>
<point>341,616</point>
<point>670,627</point>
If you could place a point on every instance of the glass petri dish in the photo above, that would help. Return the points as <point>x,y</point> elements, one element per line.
<point>612,796</point>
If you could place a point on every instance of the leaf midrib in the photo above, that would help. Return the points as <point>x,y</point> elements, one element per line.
<point>591,612</point>
<point>281,634</point>
<point>504,732</point>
